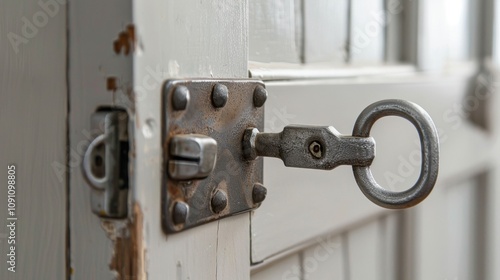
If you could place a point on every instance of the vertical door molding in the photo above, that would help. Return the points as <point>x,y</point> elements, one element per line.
<point>184,39</point>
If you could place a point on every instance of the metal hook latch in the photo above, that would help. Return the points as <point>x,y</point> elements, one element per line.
<point>325,148</point>
<point>105,163</point>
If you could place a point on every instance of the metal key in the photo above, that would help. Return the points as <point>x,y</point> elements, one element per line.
<point>320,147</point>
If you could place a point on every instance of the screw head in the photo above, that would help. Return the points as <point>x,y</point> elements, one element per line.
<point>259,193</point>
<point>220,94</point>
<point>219,201</point>
<point>180,98</point>
<point>315,149</point>
<point>180,212</point>
<point>259,96</point>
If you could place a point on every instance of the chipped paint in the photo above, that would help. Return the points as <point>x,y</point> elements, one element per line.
<point>127,261</point>
<point>126,41</point>
<point>111,84</point>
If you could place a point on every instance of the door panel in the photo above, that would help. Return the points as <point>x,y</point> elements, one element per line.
<point>33,111</point>
<point>181,39</point>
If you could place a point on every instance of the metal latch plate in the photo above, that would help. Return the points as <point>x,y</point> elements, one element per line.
<point>189,203</point>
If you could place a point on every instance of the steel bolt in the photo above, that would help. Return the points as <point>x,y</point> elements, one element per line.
<point>180,98</point>
<point>219,201</point>
<point>220,95</point>
<point>181,210</point>
<point>259,193</point>
<point>248,143</point>
<point>259,96</point>
<point>315,149</point>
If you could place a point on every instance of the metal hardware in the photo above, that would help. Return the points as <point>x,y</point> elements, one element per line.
<point>429,143</point>
<point>192,156</point>
<point>180,98</point>
<point>209,126</point>
<point>219,201</point>
<point>259,193</point>
<point>220,95</point>
<point>259,96</point>
<point>319,147</point>
<point>293,146</point>
<point>105,163</point>
<point>180,214</point>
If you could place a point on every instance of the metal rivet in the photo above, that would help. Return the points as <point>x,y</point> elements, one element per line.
<point>180,98</point>
<point>259,193</point>
<point>259,96</point>
<point>219,201</point>
<point>315,149</point>
<point>220,94</point>
<point>180,214</point>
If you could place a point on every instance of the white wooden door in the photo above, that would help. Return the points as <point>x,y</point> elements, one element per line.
<point>322,62</point>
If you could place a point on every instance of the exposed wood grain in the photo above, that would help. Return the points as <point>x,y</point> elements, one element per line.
<point>275,31</point>
<point>325,31</point>
<point>295,197</point>
<point>33,114</point>
<point>184,39</point>
<point>94,26</point>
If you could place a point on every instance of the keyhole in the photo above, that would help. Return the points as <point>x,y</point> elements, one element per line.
<point>315,149</point>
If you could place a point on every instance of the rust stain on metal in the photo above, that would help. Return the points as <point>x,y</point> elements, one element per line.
<point>232,174</point>
<point>126,41</point>
<point>128,254</point>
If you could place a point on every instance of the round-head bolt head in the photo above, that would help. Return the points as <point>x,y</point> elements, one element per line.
<point>220,94</point>
<point>259,96</point>
<point>219,201</point>
<point>259,193</point>
<point>180,212</point>
<point>180,98</point>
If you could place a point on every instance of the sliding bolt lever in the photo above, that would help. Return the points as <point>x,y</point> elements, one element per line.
<point>314,147</point>
<point>323,147</point>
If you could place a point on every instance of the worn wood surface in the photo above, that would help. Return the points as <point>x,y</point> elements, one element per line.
<point>33,111</point>
<point>182,39</point>
<point>100,73</point>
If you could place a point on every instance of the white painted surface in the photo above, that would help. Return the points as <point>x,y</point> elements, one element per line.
<point>287,268</point>
<point>367,34</point>
<point>185,39</point>
<point>92,61</point>
<point>325,260</point>
<point>458,16</point>
<point>431,52</point>
<point>275,31</point>
<point>33,111</point>
<point>365,252</point>
<point>325,31</point>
